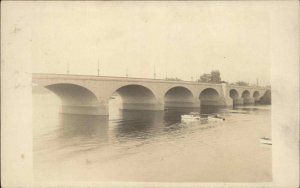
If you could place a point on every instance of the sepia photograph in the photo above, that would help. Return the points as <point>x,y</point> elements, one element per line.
<point>182,92</point>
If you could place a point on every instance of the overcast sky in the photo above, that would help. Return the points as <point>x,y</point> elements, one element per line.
<point>181,39</point>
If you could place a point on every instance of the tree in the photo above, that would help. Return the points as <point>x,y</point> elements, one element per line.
<point>205,78</point>
<point>215,76</point>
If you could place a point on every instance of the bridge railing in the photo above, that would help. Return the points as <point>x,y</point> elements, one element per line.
<point>135,79</point>
<point>95,77</point>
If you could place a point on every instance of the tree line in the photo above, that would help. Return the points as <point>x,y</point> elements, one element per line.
<point>213,77</point>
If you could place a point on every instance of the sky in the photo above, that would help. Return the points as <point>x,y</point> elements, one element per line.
<point>177,39</point>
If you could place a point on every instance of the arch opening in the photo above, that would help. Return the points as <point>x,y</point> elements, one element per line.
<point>209,96</point>
<point>71,94</point>
<point>247,97</point>
<point>236,99</point>
<point>76,99</point>
<point>246,94</point>
<point>234,94</point>
<point>256,96</point>
<point>180,97</point>
<point>137,97</point>
<point>136,94</point>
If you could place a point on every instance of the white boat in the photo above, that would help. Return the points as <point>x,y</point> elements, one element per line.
<point>266,141</point>
<point>238,112</point>
<point>215,119</point>
<point>195,116</point>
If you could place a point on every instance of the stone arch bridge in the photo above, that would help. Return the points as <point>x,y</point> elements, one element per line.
<point>82,94</point>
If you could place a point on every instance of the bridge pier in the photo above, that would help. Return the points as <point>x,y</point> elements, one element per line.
<point>238,101</point>
<point>256,100</point>
<point>226,101</point>
<point>221,101</point>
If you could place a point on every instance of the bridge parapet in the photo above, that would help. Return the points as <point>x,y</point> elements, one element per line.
<point>114,78</point>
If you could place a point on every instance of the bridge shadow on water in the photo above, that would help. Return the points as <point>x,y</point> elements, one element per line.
<point>91,132</point>
<point>206,109</point>
<point>136,124</point>
<point>126,128</point>
<point>146,124</point>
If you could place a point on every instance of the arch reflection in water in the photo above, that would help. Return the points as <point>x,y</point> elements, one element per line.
<point>172,116</point>
<point>180,97</point>
<point>137,124</point>
<point>212,109</point>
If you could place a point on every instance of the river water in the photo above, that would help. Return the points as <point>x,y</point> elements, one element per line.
<point>150,145</point>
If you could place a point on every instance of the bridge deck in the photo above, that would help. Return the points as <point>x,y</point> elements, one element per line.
<point>134,79</point>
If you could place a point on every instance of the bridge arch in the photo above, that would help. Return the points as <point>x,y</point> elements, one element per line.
<point>179,96</point>
<point>72,94</point>
<point>234,94</point>
<point>248,99</point>
<point>76,99</point>
<point>256,96</point>
<point>246,94</point>
<point>137,97</point>
<point>209,96</point>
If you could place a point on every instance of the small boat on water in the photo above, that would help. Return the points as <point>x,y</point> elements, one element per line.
<point>238,112</point>
<point>195,116</point>
<point>266,141</point>
<point>215,118</point>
